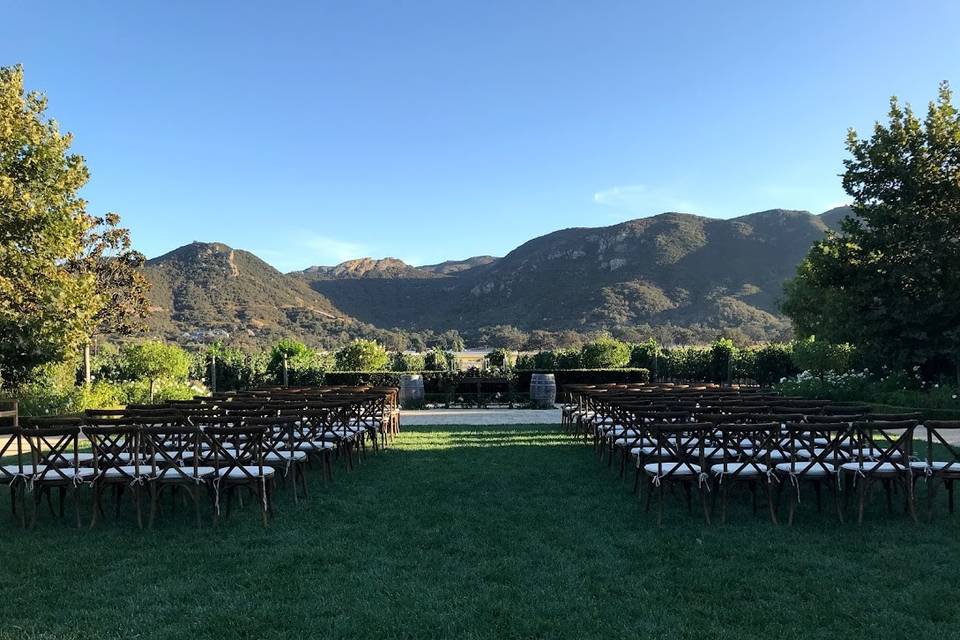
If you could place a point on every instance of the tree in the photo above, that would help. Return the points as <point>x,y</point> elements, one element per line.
<point>155,360</point>
<point>120,283</point>
<point>436,360</point>
<point>605,353</point>
<point>362,355</point>
<point>889,281</point>
<point>61,269</point>
<point>502,336</point>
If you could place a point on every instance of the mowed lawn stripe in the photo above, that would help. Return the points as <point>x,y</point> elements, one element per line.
<point>483,532</point>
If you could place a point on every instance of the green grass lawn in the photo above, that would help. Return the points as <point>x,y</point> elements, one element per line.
<point>483,532</point>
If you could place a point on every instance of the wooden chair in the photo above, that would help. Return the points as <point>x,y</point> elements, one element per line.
<point>55,465</point>
<point>14,475</point>
<point>745,458</point>
<point>815,453</point>
<point>119,464</point>
<point>943,468</point>
<point>678,462</point>
<point>236,453</point>
<point>886,459</point>
<point>281,451</point>
<point>174,455</point>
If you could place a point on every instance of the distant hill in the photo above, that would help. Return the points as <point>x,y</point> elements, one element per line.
<point>451,267</point>
<point>670,270</point>
<point>206,291</point>
<point>368,268</point>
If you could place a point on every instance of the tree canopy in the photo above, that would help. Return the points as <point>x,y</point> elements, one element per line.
<point>889,281</point>
<point>63,272</point>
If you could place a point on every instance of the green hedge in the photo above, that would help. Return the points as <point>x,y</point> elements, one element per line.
<point>442,381</point>
<point>586,376</point>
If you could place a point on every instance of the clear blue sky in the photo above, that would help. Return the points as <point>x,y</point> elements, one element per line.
<point>314,132</point>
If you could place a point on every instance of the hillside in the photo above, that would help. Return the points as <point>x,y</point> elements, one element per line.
<point>207,291</point>
<point>450,267</point>
<point>673,270</point>
<point>368,268</point>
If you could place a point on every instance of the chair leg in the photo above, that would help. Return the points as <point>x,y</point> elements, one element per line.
<point>862,494</point>
<point>723,503</point>
<point>155,491</point>
<point>660,505</point>
<point>36,507</point>
<point>135,496</point>
<point>703,501</point>
<point>907,489</point>
<point>837,500</point>
<point>773,512</point>
<point>262,494</point>
<point>97,510</point>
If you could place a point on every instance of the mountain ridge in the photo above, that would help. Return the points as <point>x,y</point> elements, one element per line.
<point>674,270</point>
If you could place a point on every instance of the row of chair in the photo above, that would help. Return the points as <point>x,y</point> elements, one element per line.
<point>712,438</point>
<point>226,446</point>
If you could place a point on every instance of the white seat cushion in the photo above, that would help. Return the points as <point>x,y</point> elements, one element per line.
<point>717,452</point>
<point>235,473</point>
<point>800,469</point>
<point>126,471</point>
<point>48,473</point>
<point>953,467</point>
<point>874,467</point>
<point>284,456</point>
<point>12,469</point>
<point>186,472</point>
<point>741,469</point>
<point>672,468</point>
<point>832,456</point>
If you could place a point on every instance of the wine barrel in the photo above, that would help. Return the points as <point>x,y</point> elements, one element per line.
<point>543,390</point>
<point>411,389</point>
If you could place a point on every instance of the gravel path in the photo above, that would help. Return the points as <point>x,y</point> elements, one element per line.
<point>479,416</point>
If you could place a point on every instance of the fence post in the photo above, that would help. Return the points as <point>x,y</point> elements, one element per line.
<point>213,372</point>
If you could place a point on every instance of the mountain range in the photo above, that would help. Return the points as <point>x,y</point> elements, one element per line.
<point>677,275</point>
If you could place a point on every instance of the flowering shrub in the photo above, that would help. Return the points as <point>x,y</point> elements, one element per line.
<point>893,388</point>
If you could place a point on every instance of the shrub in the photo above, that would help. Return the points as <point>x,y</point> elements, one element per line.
<point>362,355</point>
<point>820,357</point>
<point>525,361</point>
<point>646,355</point>
<point>436,360</point>
<point>568,359</point>
<point>545,360</point>
<point>605,353</point>
<point>499,358</point>
<point>772,363</point>
<point>236,369</point>
<point>401,361</point>
<point>722,356</point>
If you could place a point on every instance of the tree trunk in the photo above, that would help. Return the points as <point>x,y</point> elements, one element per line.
<point>86,364</point>
<point>151,390</point>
